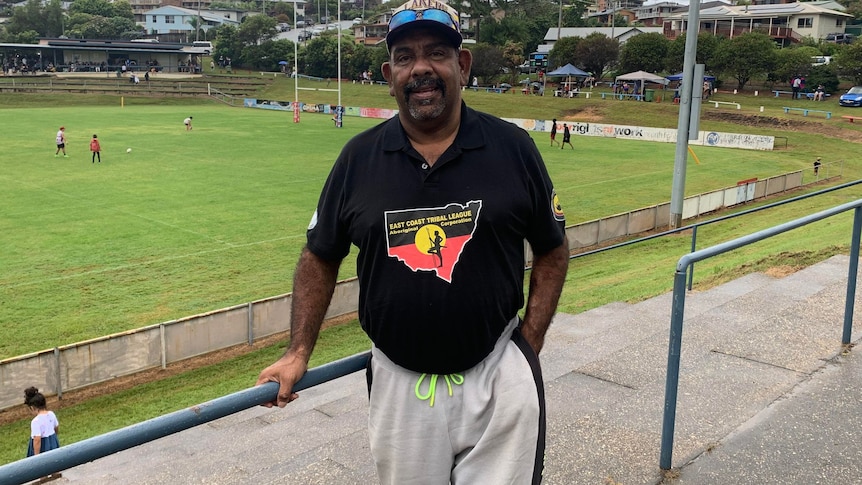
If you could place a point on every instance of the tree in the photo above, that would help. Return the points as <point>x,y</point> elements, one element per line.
<point>122,8</point>
<point>102,8</point>
<point>573,15</point>
<point>362,59</point>
<point>53,21</point>
<point>597,52</point>
<point>706,47</point>
<point>487,60</point>
<point>29,17</point>
<point>790,63</point>
<point>256,29</point>
<point>512,58</point>
<point>267,55</point>
<point>849,62</point>
<point>227,45</point>
<point>563,52</point>
<point>746,56</point>
<point>320,57</point>
<point>644,52</point>
<point>510,29</point>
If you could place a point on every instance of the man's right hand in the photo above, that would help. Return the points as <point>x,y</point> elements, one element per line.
<point>286,371</point>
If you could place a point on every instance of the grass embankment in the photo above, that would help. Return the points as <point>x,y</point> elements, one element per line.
<point>190,222</point>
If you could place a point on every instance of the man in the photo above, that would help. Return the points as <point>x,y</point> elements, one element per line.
<point>188,123</point>
<point>567,137</point>
<point>817,166</point>
<point>554,132</point>
<point>455,388</point>
<point>61,142</point>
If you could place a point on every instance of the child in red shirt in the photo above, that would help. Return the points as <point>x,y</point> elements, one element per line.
<point>96,149</point>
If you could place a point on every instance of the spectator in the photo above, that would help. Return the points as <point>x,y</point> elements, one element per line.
<point>44,426</point>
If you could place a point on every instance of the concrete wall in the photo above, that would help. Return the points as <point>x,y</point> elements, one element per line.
<point>74,366</point>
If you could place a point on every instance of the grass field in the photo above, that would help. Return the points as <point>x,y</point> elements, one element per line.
<point>193,221</point>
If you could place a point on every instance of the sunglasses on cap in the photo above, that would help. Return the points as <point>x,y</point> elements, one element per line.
<point>406,16</point>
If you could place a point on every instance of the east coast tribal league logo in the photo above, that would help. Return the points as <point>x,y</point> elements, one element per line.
<point>431,239</point>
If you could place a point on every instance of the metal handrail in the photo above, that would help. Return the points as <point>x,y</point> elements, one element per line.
<point>100,446</point>
<point>65,457</point>
<point>678,306</point>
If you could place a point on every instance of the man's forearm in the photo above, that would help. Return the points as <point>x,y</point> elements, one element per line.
<point>313,285</point>
<point>546,285</point>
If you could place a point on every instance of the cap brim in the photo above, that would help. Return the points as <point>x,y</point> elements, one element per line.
<point>452,35</point>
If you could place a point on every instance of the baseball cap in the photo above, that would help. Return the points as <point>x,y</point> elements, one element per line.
<point>429,13</point>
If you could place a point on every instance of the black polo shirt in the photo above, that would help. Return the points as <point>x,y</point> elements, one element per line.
<point>441,249</point>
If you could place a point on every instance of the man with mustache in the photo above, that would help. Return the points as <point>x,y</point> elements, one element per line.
<point>455,388</point>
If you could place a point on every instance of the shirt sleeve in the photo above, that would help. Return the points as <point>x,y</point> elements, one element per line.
<point>548,225</point>
<point>35,429</point>
<point>327,233</point>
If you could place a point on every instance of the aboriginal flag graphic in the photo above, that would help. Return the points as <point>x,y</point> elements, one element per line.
<point>431,239</point>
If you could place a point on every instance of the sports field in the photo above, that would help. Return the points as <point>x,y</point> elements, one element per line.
<point>192,221</point>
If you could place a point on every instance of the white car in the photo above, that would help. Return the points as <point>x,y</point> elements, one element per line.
<point>205,45</point>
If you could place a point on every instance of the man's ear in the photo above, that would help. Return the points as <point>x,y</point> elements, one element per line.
<point>386,70</point>
<point>465,61</point>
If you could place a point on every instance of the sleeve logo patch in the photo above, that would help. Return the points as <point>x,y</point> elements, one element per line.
<point>556,207</point>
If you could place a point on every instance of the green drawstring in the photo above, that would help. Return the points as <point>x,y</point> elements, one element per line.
<point>456,379</point>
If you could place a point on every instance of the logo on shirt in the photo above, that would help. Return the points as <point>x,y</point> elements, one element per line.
<point>431,239</point>
<point>556,207</point>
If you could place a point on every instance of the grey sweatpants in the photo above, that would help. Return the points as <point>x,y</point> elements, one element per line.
<point>483,426</point>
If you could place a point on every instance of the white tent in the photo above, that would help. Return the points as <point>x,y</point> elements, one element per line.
<point>642,77</point>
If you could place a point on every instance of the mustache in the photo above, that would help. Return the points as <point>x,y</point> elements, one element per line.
<point>424,82</point>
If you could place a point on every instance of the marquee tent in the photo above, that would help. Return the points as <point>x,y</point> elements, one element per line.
<point>569,71</point>
<point>641,78</point>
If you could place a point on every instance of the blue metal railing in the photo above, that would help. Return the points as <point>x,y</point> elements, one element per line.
<point>678,308</point>
<point>65,457</point>
<point>97,447</point>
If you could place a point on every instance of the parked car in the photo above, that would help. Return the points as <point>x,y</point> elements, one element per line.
<point>205,45</point>
<point>840,38</point>
<point>525,68</point>
<point>852,97</point>
<point>820,60</point>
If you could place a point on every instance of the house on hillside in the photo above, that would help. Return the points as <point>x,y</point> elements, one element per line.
<point>622,34</point>
<point>653,15</point>
<point>374,32</point>
<point>785,22</point>
<point>180,21</point>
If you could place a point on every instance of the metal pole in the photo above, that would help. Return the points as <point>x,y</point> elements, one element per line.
<point>296,68</point>
<point>559,21</point>
<point>693,249</point>
<point>851,276</point>
<point>672,383</point>
<point>686,86</point>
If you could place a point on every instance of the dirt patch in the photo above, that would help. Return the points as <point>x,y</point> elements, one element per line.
<point>780,271</point>
<point>123,383</point>
<point>591,114</point>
